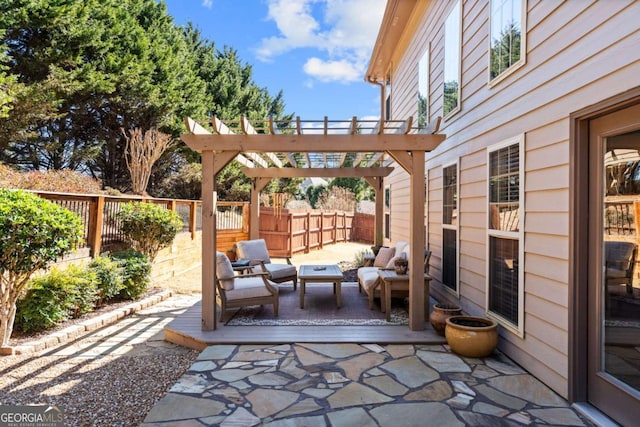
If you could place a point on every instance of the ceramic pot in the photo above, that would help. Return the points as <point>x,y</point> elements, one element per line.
<point>471,336</point>
<point>439,315</point>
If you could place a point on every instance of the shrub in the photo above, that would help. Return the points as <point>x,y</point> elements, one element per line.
<point>149,227</point>
<point>136,273</point>
<point>55,297</point>
<point>33,233</point>
<point>110,276</point>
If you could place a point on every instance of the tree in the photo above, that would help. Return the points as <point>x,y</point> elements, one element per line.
<point>141,152</point>
<point>337,198</point>
<point>33,233</point>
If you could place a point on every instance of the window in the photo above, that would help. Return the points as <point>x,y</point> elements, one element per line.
<point>423,91</point>
<point>450,227</point>
<point>452,44</point>
<point>507,50</point>
<point>387,212</point>
<point>505,296</point>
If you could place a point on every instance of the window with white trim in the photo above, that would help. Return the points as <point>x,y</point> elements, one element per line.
<point>452,47</point>
<point>507,37</point>
<point>505,287</point>
<point>450,223</point>
<point>423,90</point>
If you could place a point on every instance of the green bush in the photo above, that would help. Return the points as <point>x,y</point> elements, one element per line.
<point>55,297</point>
<point>110,275</point>
<point>33,233</point>
<point>136,275</point>
<point>149,227</point>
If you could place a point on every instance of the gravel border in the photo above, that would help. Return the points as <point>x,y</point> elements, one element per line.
<point>77,330</point>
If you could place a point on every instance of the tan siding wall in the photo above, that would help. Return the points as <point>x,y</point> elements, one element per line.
<point>578,53</point>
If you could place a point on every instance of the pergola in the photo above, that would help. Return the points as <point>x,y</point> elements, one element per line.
<point>319,148</point>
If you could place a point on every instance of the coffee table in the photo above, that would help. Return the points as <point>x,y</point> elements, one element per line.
<point>321,274</point>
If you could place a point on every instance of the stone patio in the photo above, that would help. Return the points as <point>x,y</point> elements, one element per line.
<point>356,385</point>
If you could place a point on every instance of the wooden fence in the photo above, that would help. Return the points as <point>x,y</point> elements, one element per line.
<point>286,234</point>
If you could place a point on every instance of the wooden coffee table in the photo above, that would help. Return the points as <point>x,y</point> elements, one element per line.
<point>321,274</point>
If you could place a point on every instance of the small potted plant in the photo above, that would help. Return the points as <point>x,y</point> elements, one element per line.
<point>400,266</point>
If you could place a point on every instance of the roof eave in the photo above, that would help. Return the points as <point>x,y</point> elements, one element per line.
<point>396,16</point>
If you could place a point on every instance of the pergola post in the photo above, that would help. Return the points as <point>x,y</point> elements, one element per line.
<point>209,310</point>
<point>417,241</point>
<point>376,183</point>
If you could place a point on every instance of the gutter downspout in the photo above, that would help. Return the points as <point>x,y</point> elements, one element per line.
<point>382,101</point>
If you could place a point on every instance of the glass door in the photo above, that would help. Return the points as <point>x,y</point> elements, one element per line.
<point>614,277</point>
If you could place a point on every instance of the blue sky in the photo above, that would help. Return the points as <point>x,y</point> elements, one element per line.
<point>316,51</point>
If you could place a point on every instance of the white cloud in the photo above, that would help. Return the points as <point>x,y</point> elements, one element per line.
<point>341,31</point>
<point>207,3</point>
<point>331,71</point>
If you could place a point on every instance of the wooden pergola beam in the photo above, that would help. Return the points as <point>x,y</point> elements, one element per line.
<point>310,143</point>
<point>316,172</point>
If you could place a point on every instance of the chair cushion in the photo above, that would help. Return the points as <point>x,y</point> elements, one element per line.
<point>383,257</point>
<point>368,278</point>
<point>250,287</point>
<point>224,271</point>
<point>253,249</point>
<point>400,247</point>
<point>280,271</point>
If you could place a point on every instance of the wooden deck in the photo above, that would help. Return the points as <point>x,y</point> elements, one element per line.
<point>186,330</point>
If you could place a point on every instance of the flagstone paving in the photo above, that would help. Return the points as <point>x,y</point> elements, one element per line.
<point>357,385</point>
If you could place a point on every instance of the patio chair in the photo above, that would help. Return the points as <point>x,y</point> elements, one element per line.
<point>240,291</point>
<point>257,254</point>
<point>620,260</point>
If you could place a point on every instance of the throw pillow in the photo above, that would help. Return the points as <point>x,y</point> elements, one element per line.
<point>383,257</point>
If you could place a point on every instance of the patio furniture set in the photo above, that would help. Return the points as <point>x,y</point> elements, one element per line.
<point>252,279</point>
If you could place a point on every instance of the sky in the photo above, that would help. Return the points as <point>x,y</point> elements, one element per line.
<point>315,51</point>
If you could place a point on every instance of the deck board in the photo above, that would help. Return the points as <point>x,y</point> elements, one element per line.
<point>186,330</point>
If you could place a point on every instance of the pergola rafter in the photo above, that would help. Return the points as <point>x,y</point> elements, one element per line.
<point>325,146</point>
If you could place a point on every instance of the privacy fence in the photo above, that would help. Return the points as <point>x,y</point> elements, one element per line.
<point>285,232</point>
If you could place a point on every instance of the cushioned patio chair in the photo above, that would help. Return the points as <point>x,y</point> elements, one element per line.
<point>368,278</point>
<point>240,291</point>
<point>256,252</point>
<point>620,260</point>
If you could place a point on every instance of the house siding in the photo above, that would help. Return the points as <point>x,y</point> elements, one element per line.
<point>577,54</point>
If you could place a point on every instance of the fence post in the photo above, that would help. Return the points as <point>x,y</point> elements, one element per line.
<point>335,227</point>
<point>307,234</point>
<point>245,218</point>
<point>96,213</point>
<point>193,212</point>
<point>321,229</point>
<point>290,234</point>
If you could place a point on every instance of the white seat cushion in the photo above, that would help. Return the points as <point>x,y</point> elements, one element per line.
<point>368,277</point>
<point>253,250</point>
<point>250,287</point>
<point>279,271</point>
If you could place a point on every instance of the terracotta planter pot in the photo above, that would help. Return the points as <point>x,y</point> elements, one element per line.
<point>439,315</point>
<point>471,336</point>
